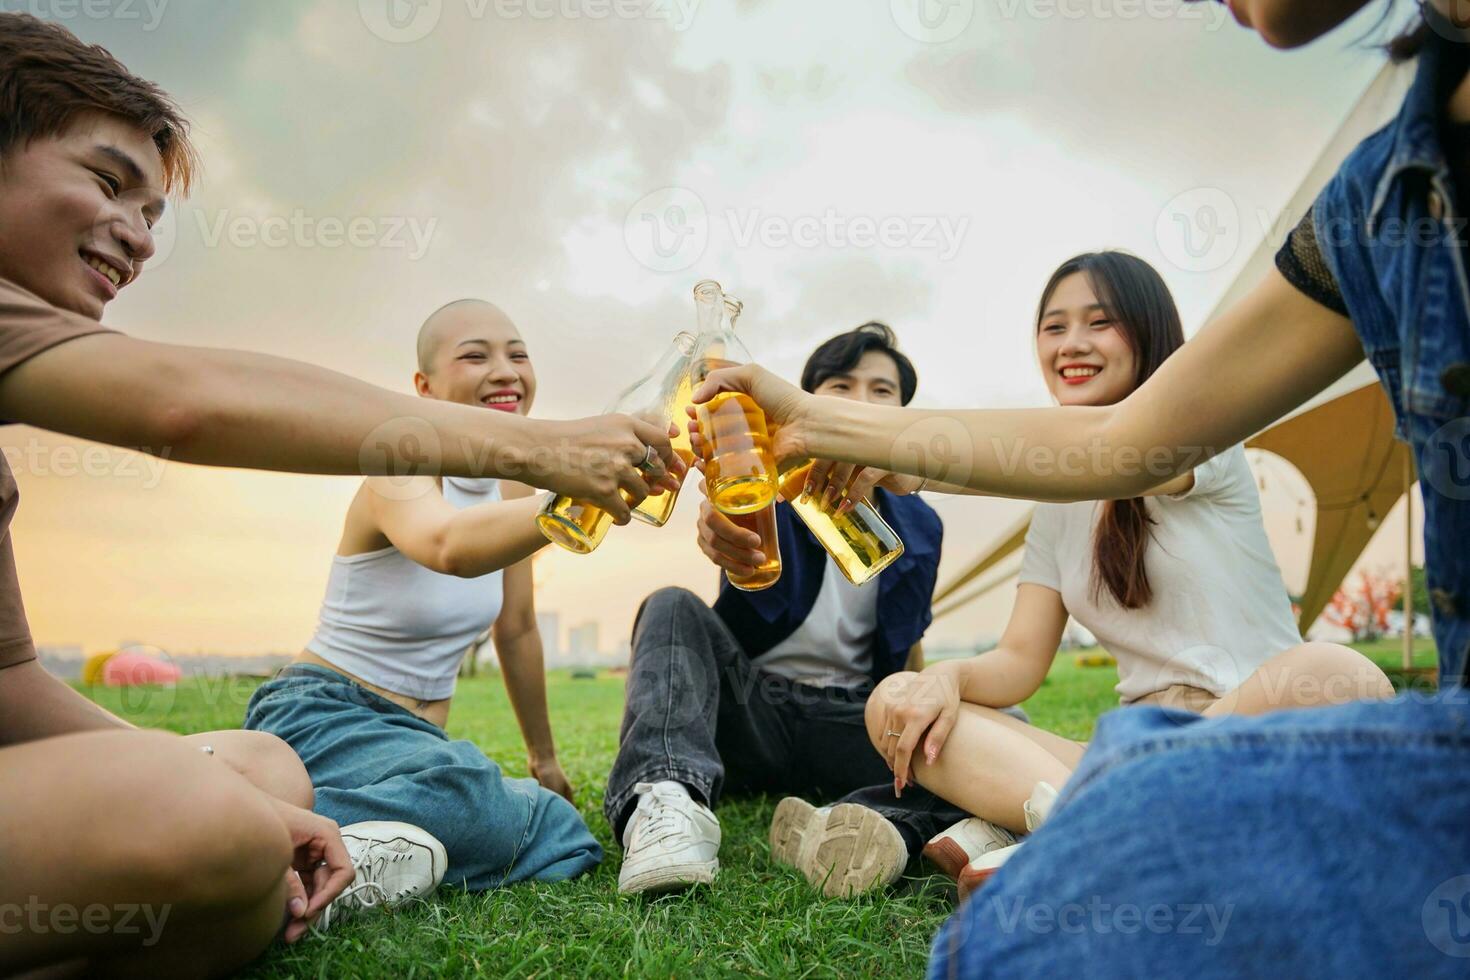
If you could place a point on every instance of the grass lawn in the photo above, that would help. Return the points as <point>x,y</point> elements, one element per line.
<point>757,919</point>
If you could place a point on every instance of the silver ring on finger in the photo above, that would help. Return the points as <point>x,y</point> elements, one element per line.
<point>892,734</point>
<point>650,457</point>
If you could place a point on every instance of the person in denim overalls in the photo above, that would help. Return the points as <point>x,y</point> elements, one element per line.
<point>1326,841</point>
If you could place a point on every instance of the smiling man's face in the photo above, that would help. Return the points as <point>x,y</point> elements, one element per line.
<point>76,212</point>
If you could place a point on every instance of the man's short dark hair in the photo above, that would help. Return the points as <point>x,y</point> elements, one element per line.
<point>843,352</point>
<point>48,77</point>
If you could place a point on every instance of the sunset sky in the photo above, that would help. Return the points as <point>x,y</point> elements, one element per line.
<point>582,163</point>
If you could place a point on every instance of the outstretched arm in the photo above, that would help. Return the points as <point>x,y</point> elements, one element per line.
<point>1264,356</point>
<point>236,408</point>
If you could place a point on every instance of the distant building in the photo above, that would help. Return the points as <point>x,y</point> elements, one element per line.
<point>583,641</point>
<point>63,660</point>
<point>549,625</point>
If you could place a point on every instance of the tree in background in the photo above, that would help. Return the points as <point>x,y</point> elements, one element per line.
<point>1419,591</point>
<point>1363,609</point>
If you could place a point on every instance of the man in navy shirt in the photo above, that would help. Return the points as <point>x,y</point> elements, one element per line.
<point>765,691</point>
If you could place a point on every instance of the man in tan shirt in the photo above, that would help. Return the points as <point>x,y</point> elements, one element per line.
<point>163,858</point>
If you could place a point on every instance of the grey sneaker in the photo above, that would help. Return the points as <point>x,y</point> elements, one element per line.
<point>845,850</point>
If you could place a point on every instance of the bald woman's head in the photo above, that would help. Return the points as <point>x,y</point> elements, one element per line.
<point>470,351</point>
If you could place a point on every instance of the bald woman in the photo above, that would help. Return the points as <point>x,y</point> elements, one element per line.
<point>424,566</point>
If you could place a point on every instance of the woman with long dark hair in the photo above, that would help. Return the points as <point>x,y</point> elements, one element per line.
<point>1179,584</point>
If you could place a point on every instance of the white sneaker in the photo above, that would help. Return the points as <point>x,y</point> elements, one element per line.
<point>394,862</point>
<point>964,842</point>
<point>979,870</point>
<point>845,850</point>
<point>671,842</point>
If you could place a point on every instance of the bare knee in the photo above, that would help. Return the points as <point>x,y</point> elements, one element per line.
<point>197,834</point>
<point>1324,674</point>
<point>266,760</point>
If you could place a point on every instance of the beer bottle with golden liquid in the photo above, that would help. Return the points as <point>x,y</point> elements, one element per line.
<point>740,470</point>
<point>580,527</point>
<point>763,523</point>
<point>860,541</point>
<point>663,395</point>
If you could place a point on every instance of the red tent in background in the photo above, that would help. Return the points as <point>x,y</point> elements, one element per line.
<point>139,665</point>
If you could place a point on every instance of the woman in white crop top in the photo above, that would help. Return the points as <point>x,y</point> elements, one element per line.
<point>425,565</point>
<point>1180,586</point>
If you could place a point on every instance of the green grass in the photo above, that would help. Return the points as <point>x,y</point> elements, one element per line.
<point>757,919</point>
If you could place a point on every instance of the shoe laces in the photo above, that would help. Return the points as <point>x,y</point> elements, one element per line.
<point>367,890</point>
<point>662,816</point>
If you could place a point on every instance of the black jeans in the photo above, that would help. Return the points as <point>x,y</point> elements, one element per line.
<point>700,713</point>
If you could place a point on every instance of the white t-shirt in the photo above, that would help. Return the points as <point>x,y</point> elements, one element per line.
<point>1219,609</point>
<point>833,647</point>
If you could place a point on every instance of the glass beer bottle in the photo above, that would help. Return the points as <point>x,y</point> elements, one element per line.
<point>664,395</point>
<point>763,523</point>
<point>740,470</point>
<point>580,527</point>
<point>860,541</point>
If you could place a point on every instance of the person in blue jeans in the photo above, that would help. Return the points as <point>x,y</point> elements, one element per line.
<point>426,565</point>
<point>1337,837</point>
<point>765,691</point>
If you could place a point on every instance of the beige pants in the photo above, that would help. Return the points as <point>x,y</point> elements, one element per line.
<point>1195,699</point>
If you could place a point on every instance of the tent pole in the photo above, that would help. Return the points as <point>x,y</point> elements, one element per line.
<point>1408,561</point>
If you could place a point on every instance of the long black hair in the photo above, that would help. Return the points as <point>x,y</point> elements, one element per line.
<point>1135,298</point>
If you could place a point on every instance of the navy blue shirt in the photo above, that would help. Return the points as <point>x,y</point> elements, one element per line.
<point>760,620</point>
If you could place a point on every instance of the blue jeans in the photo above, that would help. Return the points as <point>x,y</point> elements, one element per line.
<point>1308,843</point>
<point>370,759</point>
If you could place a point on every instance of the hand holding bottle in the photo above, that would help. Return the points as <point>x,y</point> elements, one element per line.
<point>727,544</point>
<point>789,410</point>
<point>598,460</point>
<point>831,481</point>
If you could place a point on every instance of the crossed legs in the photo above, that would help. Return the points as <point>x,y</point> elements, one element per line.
<point>991,762</point>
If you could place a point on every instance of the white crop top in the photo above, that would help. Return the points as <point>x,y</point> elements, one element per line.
<point>400,626</point>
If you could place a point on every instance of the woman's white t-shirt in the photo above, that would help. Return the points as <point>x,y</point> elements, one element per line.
<point>1219,609</point>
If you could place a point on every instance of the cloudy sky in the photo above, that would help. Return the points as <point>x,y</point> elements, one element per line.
<point>582,163</point>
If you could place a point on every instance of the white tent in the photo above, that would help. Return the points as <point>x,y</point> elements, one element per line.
<point>1341,441</point>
